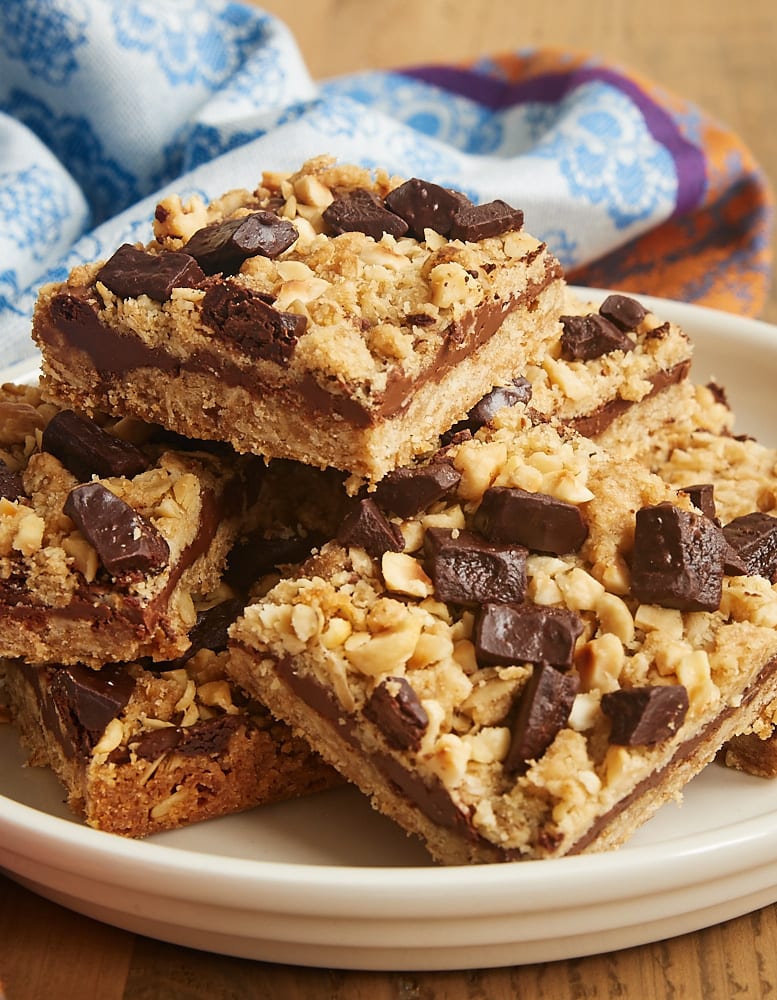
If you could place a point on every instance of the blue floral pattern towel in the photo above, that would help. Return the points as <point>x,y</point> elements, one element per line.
<point>107,105</point>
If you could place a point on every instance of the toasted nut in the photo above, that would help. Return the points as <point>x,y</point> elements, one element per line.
<point>311,191</point>
<point>336,632</point>
<point>300,290</point>
<point>84,556</point>
<point>161,809</point>
<point>489,745</point>
<point>111,738</point>
<point>305,622</point>
<point>449,759</point>
<point>614,616</point>
<point>581,592</point>
<point>18,421</point>
<point>652,617</point>
<point>479,465</point>
<point>599,663</point>
<point>449,284</point>
<point>403,574</point>
<point>563,376</point>
<point>29,532</point>
<point>384,652</point>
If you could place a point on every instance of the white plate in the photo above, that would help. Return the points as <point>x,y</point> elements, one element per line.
<point>326,881</point>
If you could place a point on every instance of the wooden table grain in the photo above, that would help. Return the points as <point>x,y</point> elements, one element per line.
<point>723,56</point>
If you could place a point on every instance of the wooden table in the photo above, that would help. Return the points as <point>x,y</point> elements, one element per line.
<point>723,56</point>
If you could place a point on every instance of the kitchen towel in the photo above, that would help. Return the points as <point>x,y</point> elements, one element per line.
<point>108,105</point>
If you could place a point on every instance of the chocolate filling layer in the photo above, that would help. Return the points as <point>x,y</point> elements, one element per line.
<point>435,802</point>
<point>74,316</point>
<point>594,423</point>
<point>15,602</point>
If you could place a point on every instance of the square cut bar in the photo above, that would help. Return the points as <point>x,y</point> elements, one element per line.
<point>335,316</point>
<point>611,369</point>
<point>140,750</point>
<point>107,535</point>
<point>525,663</point>
<point>736,479</point>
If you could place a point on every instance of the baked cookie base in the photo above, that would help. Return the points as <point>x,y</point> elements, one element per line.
<point>230,754</point>
<point>319,645</point>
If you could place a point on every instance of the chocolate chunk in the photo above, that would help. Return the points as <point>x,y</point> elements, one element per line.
<point>131,272</point>
<point>223,246</point>
<point>210,631</point>
<point>125,541</point>
<point>626,313</point>
<point>363,212</point>
<point>484,411</point>
<point>519,391</point>
<point>591,336</point>
<point>395,709</point>
<point>366,526</point>
<point>207,737</point>
<point>424,205</point>
<point>543,709</point>
<point>11,484</point>
<point>477,222</point>
<point>645,716</point>
<point>536,520</point>
<point>246,317</point>
<point>409,490</point>
<point>526,633</point>
<point>702,496</point>
<point>86,450</point>
<point>678,559</point>
<point>467,569</point>
<point>753,538</point>
<point>87,700</point>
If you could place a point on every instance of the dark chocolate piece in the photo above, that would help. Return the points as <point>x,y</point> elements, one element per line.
<point>125,541</point>
<point>536,520</point>
<point>87,700</point>
<point>543,709</point>
<point>626,313</point>
<point>131,272</point>
<point>363,212</point>
<point>208,736</point>
<point>467,569</point>
<point>645,716</point>
<point>477,222</point>
<point>702,496</point>
<point>484,411</point>
<point>86,450</point>
<point>424,205</point>
<point>223,246</point>
<point>246,317</point>
<point>409,490</point>
<point>395,709</point>
<point>678,559</point>
<point>366,526</point>
<point>526,633</point>
<point>11,484</point>
<point>519,391</point>
<point>591,336</point>
<point>753,537</point>
<point>210,631</point>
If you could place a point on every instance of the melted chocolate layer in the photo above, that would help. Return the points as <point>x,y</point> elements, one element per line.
<point>74,318</point>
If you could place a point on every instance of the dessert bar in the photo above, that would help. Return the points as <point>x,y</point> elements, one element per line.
<point>519,649</point>
<point>335,316</point>
<point>108,533</point>
<point>142,748</point>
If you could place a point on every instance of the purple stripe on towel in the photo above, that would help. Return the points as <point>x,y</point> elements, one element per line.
<point>498,94</point>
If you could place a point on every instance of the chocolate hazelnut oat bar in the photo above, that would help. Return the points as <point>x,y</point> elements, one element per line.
<point>107,536</point>
<point>140,749</point>
<point>519,649</point>
<point>335,316</point>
